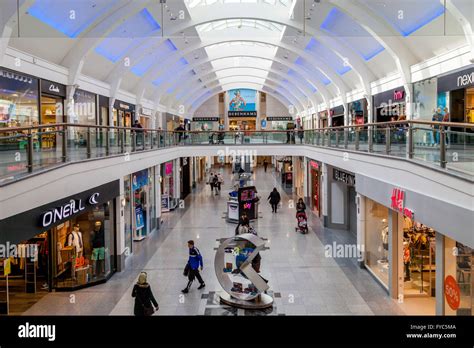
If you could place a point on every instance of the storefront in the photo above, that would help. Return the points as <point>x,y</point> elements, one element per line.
<point>358,112</point>
<point>185,176</point>
<point>146,117</point>
<point>428,272</point>
<point>19,101</point>
<point>82,112</point>
<point>337,116</point>
<point>52,111</point>
<point>205,123</point>
<point>323,119</point>
<point>285,167</point>
<point>172,122</point>
<point>456,93</point>
<point>169,201</point>
<point>103,111</point>
<point>314,187</point>
<point>140,206</point>
<point>390,105</point>
<point>280,123</point>
<point>124,114</point>
<point>342,210</point>
<point>72,239</point>
<point>242,120</point>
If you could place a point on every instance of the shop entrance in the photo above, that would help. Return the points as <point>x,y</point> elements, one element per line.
<point>315,187</point>
<point>242,124</point>
<point>51,113</point>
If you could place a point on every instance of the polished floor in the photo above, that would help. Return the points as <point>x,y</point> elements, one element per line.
<point>303,281</point>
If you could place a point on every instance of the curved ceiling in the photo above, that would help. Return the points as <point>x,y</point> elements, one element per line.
<point>182,52</point>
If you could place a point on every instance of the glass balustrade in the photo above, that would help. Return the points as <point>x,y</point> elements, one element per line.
<point>28,150</point>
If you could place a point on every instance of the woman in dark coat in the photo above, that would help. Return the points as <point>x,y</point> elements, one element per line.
<point>274,199</point>
<point>143,297</point>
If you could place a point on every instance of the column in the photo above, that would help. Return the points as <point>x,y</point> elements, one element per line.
<point>158,194</point>
<point>324,190</point>
<point>120,229</point>
<point>177,178</point>
<point>361,228</point>
<point>440,273</point>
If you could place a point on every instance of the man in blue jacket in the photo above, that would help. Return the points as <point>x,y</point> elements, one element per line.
<point>194,263</point>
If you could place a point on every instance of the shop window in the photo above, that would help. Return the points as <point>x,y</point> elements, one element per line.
<point>83,248</point>
<point>419,248</point>
<point>458,278</point>
<point>376,240</point>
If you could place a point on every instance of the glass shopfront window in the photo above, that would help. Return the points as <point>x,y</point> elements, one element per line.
<point>83,248</point>
<point>83,112</point>
<point>376,240</point>
<point>18,100</point>
<point>458,278</point>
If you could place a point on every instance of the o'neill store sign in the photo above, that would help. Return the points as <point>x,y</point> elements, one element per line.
<point>26,225</point>
<point>68,210</point>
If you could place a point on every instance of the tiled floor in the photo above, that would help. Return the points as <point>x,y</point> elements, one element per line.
<point>305,280</point>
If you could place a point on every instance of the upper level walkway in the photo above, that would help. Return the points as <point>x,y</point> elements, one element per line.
<point>446,147</point>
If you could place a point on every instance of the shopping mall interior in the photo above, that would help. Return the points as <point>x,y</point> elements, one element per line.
<point>237,157</point>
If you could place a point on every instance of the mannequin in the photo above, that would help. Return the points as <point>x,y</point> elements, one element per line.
<point>75,239</point>
<point>98,249</point>
<point>406,260</point>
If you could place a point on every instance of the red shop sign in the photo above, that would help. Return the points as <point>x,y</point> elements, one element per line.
<point>398,203</point>
<point>398,95</point>
<point>452,292</point>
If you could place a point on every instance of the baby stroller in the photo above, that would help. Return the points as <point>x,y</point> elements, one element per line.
<point>302,224</point>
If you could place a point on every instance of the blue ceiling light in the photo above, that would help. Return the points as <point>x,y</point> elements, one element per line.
<point>408,16</point>
<point>326,55</point>
<point>339,24</point>
<point>312,71</point>
<point>70,17</point>
<point>308,85</point>
<point>160,53</point>
<point>131,32</point>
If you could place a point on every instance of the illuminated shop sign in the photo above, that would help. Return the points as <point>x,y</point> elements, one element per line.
<point>14,76</point>
<point>53,88</point>
<point>67,210</point>
<point>398,203</point>
<point>205,119</point>
<point>242,114</point>
<point>398,95</point>
<point>346,178</point>
<point>279,118</point>
<point>458,80</point>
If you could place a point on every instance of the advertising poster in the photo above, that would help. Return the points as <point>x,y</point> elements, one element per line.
<point>139,179</point>
<point>140,223</point>
<point>242,99</point>
<point>165,203</point>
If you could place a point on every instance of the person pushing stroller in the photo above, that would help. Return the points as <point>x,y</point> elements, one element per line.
<point>302,219</point>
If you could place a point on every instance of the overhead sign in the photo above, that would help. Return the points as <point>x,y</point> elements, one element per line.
<point>53,88</point>
<point>146,112</point>
<point>14,76</point>
<point>242,113</point>
<point>205,119</point>
<point>398,203</point>
<point>346,178</point>
<point>279,118</point>
<point>314,165</point>
<point>458,80</point>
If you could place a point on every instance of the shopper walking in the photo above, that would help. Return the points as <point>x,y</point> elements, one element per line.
<point>180,129</point>
<point>210,181</point>
<point>244,224</point>
<point>274,199</point>
<point>300,206</point>
<point>192,267</point>
<point>301,134</point>
<point>216,184</point>
<point>144,299</point>
<point>265,165</point>
<point>138,131</point>
<point>220,181</point>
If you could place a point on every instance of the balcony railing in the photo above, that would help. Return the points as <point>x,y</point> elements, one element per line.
<point>26,150</point>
